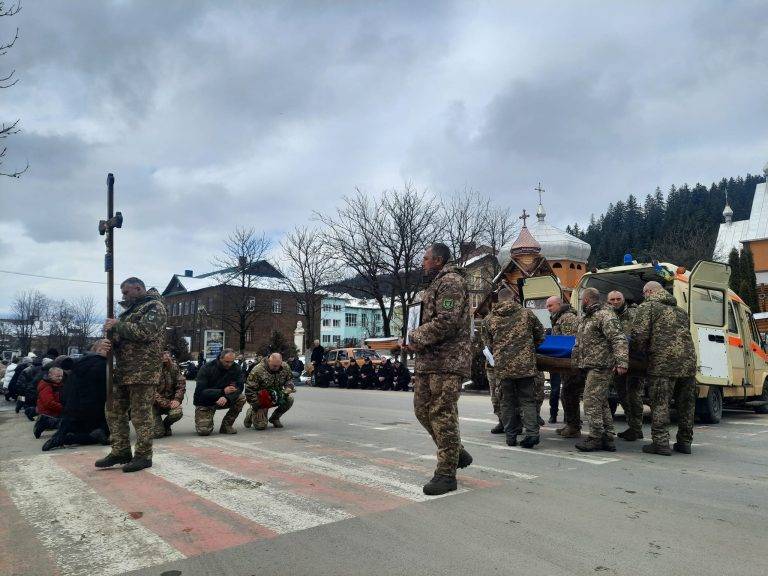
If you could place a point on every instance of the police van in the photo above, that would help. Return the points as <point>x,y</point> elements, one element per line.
<point>732,365</point>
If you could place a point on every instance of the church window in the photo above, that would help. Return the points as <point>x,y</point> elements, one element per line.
<point>572,266</point>
<point>557,265</point>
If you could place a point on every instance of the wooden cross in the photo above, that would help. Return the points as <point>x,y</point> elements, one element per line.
<point>540,190</point>
<point>524,217</point>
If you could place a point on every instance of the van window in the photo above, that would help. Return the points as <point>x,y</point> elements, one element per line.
<point>753,329</point>
<point>539,307</point>
<point>332,356</point>
<point>366,354</point>
<point>707,306</point>
<point>343,355</point>
<point>732,328</point>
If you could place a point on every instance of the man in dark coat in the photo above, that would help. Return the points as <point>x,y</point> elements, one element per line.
<point>386,375</point>
<point>323,375</point>
<point>367,375</point>
<point>219,386</point>
<point>340,375</point>
<point>402,375</point>
<point>353,374</point>
<point>318,353</point>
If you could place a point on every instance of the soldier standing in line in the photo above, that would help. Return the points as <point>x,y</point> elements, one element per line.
<point>515,332</point>
<point>490,371</point>
<point>662,332</point>
<point>168,397</point>
<point>443,359</point>
<point>629,388</point>
<point>564,321</point>
<point>600,350</point>
<point>137,338</point>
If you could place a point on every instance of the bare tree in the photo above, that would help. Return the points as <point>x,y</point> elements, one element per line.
<point>238,267</point>
<point>307,270</point>
<point>411,223</point>
<point>60,319</point>
<point>8,129</point>
<point>465,217</point>
<point>28,311</point>
<point>501,226</point>
<point>352,236</point>
<point>84,310</point>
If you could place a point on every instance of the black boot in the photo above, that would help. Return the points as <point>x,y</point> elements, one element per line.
<point>113,459</point>
<point>440,485</point>
<point>529,441</point>
<point>53,442</point>
<point>19,405</point>
<point>138,463</point>
<point>553,417</point>
<point>100,436</point>
<point>40,427</point>
<point>465,459</point>
<point>498,429</point>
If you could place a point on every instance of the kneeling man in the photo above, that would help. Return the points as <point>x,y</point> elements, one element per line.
<point>168,396</point>
<point>269,384</point>
<point>219,386</point>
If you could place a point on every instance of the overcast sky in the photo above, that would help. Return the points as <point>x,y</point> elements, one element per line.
<point>217,114</point>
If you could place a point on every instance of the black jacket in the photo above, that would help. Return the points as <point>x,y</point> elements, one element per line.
<point>318,352</point>
<point>85,391</point>
<point>211,381</point>
<point>324,375</point>
<point>403,375</point>
<point>353,373</point>
<point>340,375</point>
<point>369,372</point>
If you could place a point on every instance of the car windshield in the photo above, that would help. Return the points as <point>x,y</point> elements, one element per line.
<point>629,282</point>
<point>366,354</point>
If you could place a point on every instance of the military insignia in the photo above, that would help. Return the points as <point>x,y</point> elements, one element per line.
<point>448,303</point>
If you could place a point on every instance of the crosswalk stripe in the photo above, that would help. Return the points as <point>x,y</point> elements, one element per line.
<point>278,510</point>
<point>368,475</point>
<point>545,452</point>
<point>85,533</point>
<point>186,521</point>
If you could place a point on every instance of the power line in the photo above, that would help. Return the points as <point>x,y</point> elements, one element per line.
<point>53,277</point>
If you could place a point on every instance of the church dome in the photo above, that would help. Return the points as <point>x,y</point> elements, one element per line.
<point>555,243</point>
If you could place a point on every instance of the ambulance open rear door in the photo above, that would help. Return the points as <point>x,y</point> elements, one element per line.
<point>534,293</point>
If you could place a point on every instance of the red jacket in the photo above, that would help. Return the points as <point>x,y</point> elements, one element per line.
<point>49,398</point>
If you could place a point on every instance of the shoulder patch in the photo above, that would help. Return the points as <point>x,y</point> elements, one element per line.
<point>448,303</point>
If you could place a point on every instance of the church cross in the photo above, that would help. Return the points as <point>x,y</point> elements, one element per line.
<point>540,190</point>
<point>524,217</point>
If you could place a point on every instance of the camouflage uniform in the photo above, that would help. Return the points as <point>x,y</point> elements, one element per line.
<point>661,331</point>
<point>600,347</point>
<point>172,386</point>
<point>212,379</point>
<point>564,323</point>
<point>264,389</point>
<point>629,388</point>
<point>138,342</point>
<point>443,359</point>
<point>515,332</point>
<point>490,371</point>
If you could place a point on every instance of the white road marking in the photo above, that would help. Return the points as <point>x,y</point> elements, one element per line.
<point>483,420</point>
<point>745,423</point>
<point>539,452</point>
<point>278,510</point>
<point>347,470</point>
<point>369,427</point>
<point>84,532</point>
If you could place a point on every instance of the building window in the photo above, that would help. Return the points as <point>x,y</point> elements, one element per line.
<point>210,303</point>
<point>301,308</point>
<point>364,320</point>
<point>248,335</point>
<point>336,338</point>
<point>337,323</point>
<point>337,307</point>
<point>578,266</point>
<point>326,307</point>
<point>326,321</point>
<point>557,265</point>
<point>186,307</point>
<point>277,306</point>
<point>251,305</point>
<point>326,338</point>
<point>194,306</point>
<point>351,319</point>
<point>571,266</point>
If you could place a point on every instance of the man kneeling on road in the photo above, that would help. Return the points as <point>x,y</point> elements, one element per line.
<point>219,386</point>
<point>168,397</point>
<point>269,384</point>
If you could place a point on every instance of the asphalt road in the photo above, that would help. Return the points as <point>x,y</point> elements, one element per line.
<point>338,491</point>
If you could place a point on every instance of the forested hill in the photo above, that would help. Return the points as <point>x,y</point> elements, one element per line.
<point>680,228</point>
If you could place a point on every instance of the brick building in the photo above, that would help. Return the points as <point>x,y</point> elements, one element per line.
<point>199,303</point>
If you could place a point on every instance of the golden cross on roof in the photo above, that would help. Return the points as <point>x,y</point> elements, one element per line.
<point>524,217</point>
<point>540,190</point>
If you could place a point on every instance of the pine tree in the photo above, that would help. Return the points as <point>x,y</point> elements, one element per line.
<point>734,261</point>
<point>748,281</point>
<point>280,344</point>
<point>175,343</point>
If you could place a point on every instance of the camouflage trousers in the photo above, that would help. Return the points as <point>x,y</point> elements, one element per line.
<point>204,415</point>
<point>283,406</point>
<point>597,411</point>
<point>435,402</point>
<point>172,415</point>
<point>538,391</point>
<point>518,407</point>
<point>630,391</point>
<point>571,391</point>
<point>684,392</point>
<point>493,385</point>
<point>138,400</point>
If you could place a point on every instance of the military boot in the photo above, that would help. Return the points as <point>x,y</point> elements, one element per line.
<point>682,447</point>
<point>113,459</point>
<point>275,420</point>
<point>498,429</point>
<point>590,444</point>
<point>248,418</point>
<point>569,431</point>
<point>138,463</point>
<point>167,428</point>
<point>260,419</point>
<point>100,436</point>
<point>227,429</point>
<point>529,441</point>
<point>511,439</point>
<point>630,435</point>
<point>440,485</point>
<point>609,445</point>
<point>657,449</point>
<point>465,459</point>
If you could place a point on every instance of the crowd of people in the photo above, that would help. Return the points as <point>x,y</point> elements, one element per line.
<point>364,374</point>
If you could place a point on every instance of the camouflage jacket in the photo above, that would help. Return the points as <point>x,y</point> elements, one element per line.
<point>564,321</point>
<point>172,386</point>
<point>626,318</point>
<point>514,332</point>
<point>662,332</point>
<point>600,343</point>
<point>485,339</point>
<point>262,378</point>
<point>442,341</point>
<point>138,341</point>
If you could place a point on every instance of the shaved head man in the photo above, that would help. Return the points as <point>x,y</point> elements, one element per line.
<point>269,384</point>
<point>628,388</point>
<point>616,299</point>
